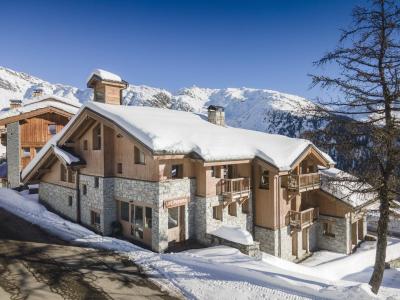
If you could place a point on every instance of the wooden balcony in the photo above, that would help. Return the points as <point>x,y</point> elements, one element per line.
<point>303,219</point>
<point>304,182</point>
<point>235,188</point>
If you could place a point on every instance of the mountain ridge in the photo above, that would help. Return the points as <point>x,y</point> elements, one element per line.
<point>257,109</point>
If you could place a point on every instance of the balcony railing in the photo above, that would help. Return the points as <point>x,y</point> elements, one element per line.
<point>302,219</point>
<point>236,187</point>
<point>304,182</point>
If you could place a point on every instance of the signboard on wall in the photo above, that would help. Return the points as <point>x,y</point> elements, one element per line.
<point>176,202</point>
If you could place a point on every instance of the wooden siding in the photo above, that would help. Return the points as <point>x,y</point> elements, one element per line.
<point>54,176</point>
<point>34,133</point>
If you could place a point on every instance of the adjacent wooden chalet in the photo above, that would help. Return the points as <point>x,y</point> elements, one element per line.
<point>29,126</point>
<point>161,177</point>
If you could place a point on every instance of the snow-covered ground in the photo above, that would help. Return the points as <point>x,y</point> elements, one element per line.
<point>223,272</point>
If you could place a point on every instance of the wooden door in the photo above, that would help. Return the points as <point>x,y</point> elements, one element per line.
<point>176,224</point>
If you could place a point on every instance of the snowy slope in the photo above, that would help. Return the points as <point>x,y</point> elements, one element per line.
<point>223,272</point>
<point>257,109</point>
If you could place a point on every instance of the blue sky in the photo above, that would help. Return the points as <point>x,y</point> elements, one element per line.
<point>173,44</point>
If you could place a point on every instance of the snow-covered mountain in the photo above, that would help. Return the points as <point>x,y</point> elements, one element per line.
<point>257,109</point>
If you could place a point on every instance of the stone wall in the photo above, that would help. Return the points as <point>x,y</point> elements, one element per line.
<point>13,152</point>
<point>269,241</point>
<point>56,197</point>
<point>342,230</point>
<point>205,223</point>
<point>98,199</point>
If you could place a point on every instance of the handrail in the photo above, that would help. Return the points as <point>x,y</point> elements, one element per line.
<point>303,218</point>
<point>235,185</point>
<point>303,180</point>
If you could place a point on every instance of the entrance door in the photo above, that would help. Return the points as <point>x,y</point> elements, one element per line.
<point>176,224</point>
<point>305,240</point>
<point>294,244</point>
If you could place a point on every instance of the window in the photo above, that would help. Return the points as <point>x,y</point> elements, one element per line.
<point>124,211</point>
<point>71,176</point>
<point>224,171</point>
<point>52,129</point>
<point>97,137</point>
<point>119,168</point>
<point>327,229</point>
<point>245,206</point>
<point>96,182</point>
<point>176,171</point>
<point>139,222</point>
<point>148,220</point>
<point>63,173</point>
<point>217,212</point>
<point>69,200</point>
<point>95,219</point>
<point>139,156</point>
<point>213,171</point>
<point>264,180</point>
<point>37,149</point>
<point>84,189</point>
<point>173,217</point>
<point>85,145</point>
<point>26,152</point>
<point>232,209</point>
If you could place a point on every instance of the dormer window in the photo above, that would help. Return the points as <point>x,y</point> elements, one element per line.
<point>97,137</point>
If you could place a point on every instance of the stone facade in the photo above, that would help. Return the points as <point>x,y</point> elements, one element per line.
<point>199,220</point>
<point>60,199</point>
<point>269,241</point>
<point>99,199</point>
<point>342,231</point>
<point>13,153</point>
<point>205,222</point>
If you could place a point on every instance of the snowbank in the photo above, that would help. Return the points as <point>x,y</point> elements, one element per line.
<point>234,234</point>
<point>211,273</point>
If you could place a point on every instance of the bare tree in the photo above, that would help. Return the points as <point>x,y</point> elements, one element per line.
<point>366,98</point>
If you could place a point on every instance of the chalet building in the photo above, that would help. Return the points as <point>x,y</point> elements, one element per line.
<point>26,128</point>
<point>170,176</point>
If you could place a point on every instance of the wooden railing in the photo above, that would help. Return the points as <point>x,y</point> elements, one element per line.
<point>301,219</point>
<point>235,186</point>
<point>304,181</point>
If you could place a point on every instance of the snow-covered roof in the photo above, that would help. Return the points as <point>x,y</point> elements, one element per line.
<point>234,234</point>
<point>346,187</point>
<point>178,132</point>
<point>58,102</point>
<point>67,157</point>
<point>166,131</point>
<point>105,75</point>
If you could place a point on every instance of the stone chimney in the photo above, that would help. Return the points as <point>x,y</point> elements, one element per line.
<point>216,115</point>
<point>15,103</point>
<point>37,93</point>
<point>107,87</point>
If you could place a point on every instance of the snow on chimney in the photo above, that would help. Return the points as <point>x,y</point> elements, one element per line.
<point>107,87</point>
<point>37,93</point>
<point>216,115</point>
<point>15,103</point>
